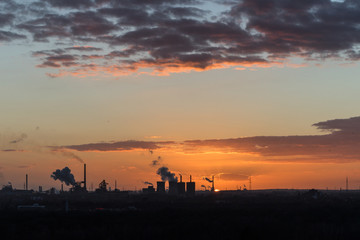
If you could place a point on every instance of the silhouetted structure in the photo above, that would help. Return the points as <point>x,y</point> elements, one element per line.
<point>212,184</point>
<point>149,189</point>
<point>160,187</point>
<point>250,183</point>
<point>85,177</point>
<point>102,186</point>
<point>173,187</point>
<point>181,186</point>
<point>26,188</point>
<point>190,187</point>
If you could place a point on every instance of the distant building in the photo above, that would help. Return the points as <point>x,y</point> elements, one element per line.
<point>173,188</point>
<point>181,188</point>
<point>160,187</point>
<point>190,188</point>
<point>149,189</point>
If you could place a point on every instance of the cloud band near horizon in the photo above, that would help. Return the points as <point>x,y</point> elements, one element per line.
<point>342,144</point>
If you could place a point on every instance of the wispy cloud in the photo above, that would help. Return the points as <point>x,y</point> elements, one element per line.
<point>117,146</point>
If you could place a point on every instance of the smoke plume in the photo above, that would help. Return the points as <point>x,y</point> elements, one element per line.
<point>166,175</point>
<point>148,183</point>
<point>207,179</point>
<point>64,176</point>
<point>156,162</point>
<point>19,139</point>
<point>69,155</point>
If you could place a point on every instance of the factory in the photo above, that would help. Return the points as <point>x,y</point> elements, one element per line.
<point>168,186</point>
<point>177,188</point>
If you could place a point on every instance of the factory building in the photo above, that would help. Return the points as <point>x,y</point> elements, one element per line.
<point>77,187</point>
<point>160,187</point>
<point>149,189</point>
<point>173,187</point>
<point>190,188</point>
<point>181,187</point>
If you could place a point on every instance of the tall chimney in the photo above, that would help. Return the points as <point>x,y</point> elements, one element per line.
<point>190,178</point>
<point>85,176</point>
<point>26,188</point>
<point>213,185</point>
<point>180,177</point>
<point>250,183</point>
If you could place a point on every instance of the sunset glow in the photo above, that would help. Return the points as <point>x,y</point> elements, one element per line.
<point>238,90</point>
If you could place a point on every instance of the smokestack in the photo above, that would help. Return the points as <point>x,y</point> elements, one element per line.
<point>62,187</point>
<point>347,183</point>
<point>181,186</point>
<point>26,188</point>
<point>250,183</point>
<point>213,185</point>
<point>190,187</point>
<point>84,176</point>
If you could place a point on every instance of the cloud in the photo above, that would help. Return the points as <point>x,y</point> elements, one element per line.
<point>163,37</point>
<point>12,150</point>
<point>6,19</point>
<point>342,144</point>
<point>7,36</point>
<point>117,146</point>
<point>70,3</point>
<point>343,126</point>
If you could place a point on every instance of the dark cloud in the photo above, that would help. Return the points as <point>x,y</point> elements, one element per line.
<point>6,19</point>
<point>341,145</point>
<point>344,126</point>
<point>180,36</point>
<point>70,3</point>
<point>9,150</point>
<point>84,48</point>
<point>50,25</point>
<point>117,146</point>
<point>181,12</point>
<point>10,36</point>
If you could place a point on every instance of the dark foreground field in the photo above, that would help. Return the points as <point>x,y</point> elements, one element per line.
<point>266,215</point>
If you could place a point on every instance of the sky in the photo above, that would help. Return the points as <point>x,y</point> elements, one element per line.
<point>260,88</point>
